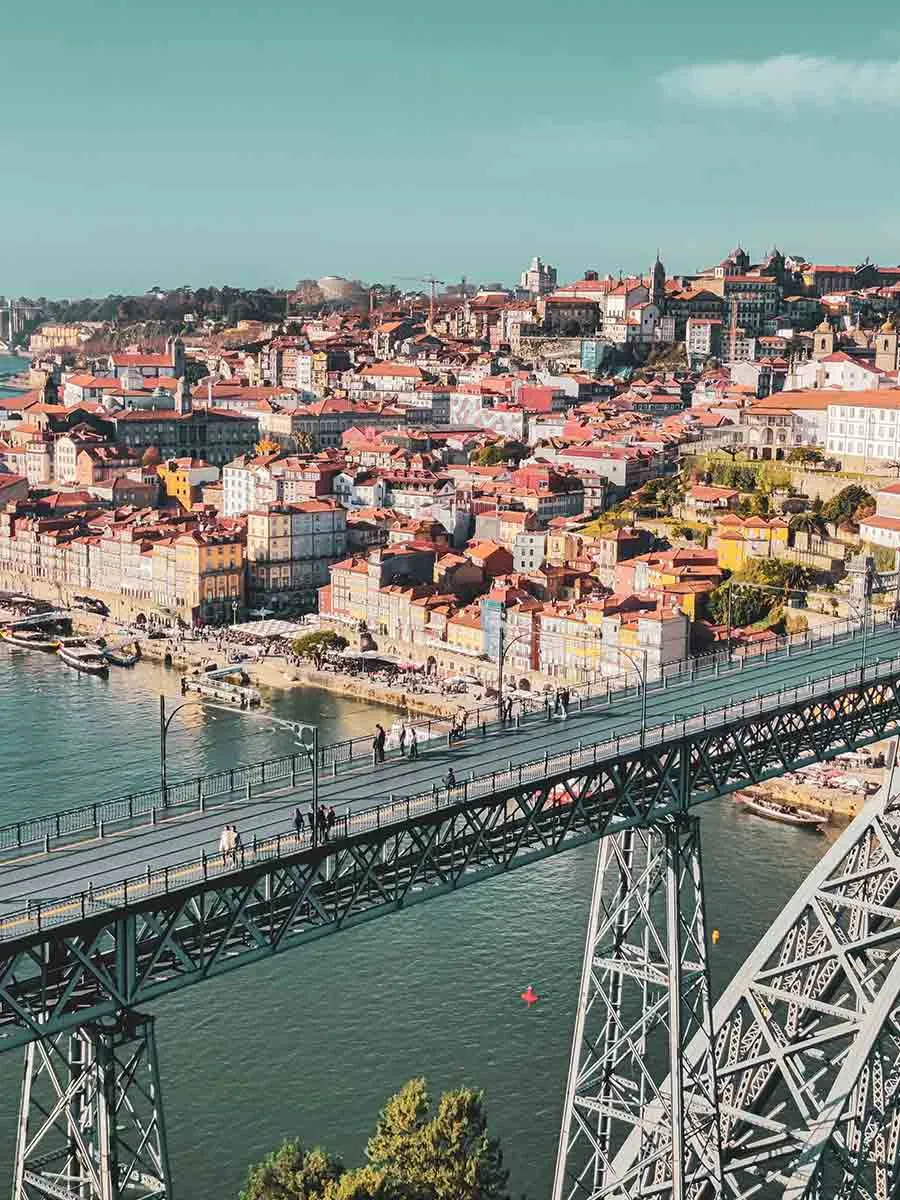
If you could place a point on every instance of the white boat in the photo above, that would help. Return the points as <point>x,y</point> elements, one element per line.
<point>30,639</point>
<point>88,659</point>
<point>785,813</point>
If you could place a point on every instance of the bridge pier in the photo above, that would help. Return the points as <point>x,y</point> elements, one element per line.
<point>91,1124</point>
<point>644,996</point>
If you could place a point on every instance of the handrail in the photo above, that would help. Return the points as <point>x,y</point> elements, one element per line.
<point>194,793</point>
<point>46,914</point>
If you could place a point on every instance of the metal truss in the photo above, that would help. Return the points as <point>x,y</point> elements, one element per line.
<point>807,1036</point>
<point>116,950</point>
<point>90,1125</point>
<point>644,997</point>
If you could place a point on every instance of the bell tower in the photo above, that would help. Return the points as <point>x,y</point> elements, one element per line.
<point>886,347</point>
<point>658,284</point>
<point>823,343</point>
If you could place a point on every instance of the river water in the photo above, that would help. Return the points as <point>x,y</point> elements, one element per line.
<point>312,1043</point>
<point>8,364</point>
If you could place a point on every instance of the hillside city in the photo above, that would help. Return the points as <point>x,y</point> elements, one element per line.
<point>565,481</point>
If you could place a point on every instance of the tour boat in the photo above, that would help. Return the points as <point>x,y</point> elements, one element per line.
<point>85,658</point>
<point>30,639</point>
<point>784,813</point>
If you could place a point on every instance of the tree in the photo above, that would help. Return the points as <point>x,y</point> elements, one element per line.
<point>413,1154</point>
<point>845,505</point>
<point>805,454</point>
<point>448,1156</point>
<point>315,645</point>
<point>810,523</point>
<point>500,452</point>
<point>748,605</point>
<point>363,1183</point>
<point>293,1173</point>
<point>775,579</point>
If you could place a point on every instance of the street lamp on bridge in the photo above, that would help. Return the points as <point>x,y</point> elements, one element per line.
<point>642,675</point>
<point>164,723</point>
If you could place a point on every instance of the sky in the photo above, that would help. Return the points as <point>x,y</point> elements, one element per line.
<point>192,142</point>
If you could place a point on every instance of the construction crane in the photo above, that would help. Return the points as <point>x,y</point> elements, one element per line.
<point>433,284</point>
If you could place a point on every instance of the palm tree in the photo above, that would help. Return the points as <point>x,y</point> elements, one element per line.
<point>810,523</point>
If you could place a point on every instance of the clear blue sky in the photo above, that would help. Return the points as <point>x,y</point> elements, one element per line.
<point>195,142</point>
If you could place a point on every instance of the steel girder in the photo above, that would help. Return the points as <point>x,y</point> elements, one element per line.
<point>91,1124</point>
<point>644,997</point>
<point>121,955</point>
<point>807,1035</point>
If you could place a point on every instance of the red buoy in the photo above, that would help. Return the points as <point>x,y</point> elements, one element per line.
<point>530,996</point>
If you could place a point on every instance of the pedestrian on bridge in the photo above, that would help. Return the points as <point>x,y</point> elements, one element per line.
<point>298,822</point>
<point>225,844</point>
<point>323,825</point>
<point>401,741</point>
<point>413,743</point>
<point>330,819</point>
<point>450,780</point>
<point>378,744</point>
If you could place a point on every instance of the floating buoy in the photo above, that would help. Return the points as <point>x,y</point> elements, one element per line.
<point>530,996</point>
<point>715,937</point>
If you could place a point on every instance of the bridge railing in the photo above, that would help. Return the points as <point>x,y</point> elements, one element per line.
<point>272,774</point>
<point>137,889</point>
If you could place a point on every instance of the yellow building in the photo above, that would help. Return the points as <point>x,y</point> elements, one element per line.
<point>464,631</point>
<point>740,539</point>
<point>183,479</point>
<point>209,573</point>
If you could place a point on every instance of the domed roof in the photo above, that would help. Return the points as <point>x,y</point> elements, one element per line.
<point>824,327</point>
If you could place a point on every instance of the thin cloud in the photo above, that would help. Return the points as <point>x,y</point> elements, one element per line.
<point>788,81</point>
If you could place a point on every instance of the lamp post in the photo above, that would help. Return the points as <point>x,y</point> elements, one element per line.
<point>504,647</point>
<point>164,723</point>
<point>312,752</point>
<point>234,608</point>
<point>642,674</point>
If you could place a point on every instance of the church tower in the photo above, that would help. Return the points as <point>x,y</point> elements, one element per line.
<point>658,284</point>
<point>823,343</point>
<point>886,347</point>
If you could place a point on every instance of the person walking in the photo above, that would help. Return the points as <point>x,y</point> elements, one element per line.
<point>311,822</point>
<point>402,739</point>
<point>330,819</point>
<point>450,780</point>
<point>236,844</point>
<point>225,844</point>
<point>298,822</point>
<point>413,743</point>
<point>378,743</point>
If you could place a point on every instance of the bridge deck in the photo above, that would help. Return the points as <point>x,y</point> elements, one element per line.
<point>40,877</point>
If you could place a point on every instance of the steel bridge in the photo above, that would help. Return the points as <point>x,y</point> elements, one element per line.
<point>790,1088</point>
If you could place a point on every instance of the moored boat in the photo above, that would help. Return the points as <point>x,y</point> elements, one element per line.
<point>88,659</point>
<point>120,657</point>
<point>30,639</point>
<point>772,810</point>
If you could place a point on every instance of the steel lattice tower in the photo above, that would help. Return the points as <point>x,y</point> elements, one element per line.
<point>91,1125</point>
<point>644,996</point>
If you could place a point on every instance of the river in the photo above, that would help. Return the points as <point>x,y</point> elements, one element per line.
<point>7,365</point>
<point>312,1043</point>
